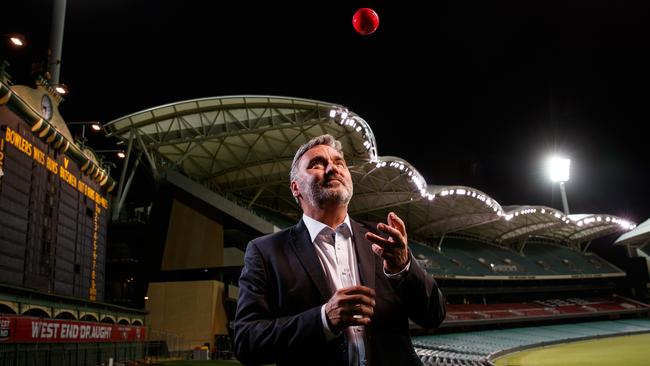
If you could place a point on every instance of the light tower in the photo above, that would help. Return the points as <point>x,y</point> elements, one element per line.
<point>558,170</point>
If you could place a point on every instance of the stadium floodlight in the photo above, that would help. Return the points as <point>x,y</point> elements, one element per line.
<point>558,170</point>
<point>94,126</point>
<point>15,40</point>
<point>61,89</point>
<point>9,43</point>
<point>119,153</point>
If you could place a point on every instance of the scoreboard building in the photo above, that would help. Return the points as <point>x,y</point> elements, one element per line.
<point>54,212</point>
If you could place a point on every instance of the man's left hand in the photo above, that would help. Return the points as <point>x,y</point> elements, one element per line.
<point>394,249</point>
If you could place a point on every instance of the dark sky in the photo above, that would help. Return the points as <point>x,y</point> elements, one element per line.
<point>471,93</point>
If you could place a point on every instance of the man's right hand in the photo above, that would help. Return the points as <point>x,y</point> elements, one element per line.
<point>350,306</point>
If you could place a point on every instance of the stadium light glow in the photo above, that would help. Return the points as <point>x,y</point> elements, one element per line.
<point>356,124</point>
<point>61,89</point>
<point>581,221</point>
<point>558,171</point>
<point>119,153</point>
<point>420,185</point>
<point>17,41</point>
<point>13,40</point>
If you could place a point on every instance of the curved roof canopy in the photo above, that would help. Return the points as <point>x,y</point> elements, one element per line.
<point>584,228</point>
<point>637,238</point>
<point>242,147</point>
<point>521,222</point>
<point>392,184</point>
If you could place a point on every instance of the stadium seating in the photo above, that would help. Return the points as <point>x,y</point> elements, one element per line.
<point>466,258</point>
<point>539,309</point>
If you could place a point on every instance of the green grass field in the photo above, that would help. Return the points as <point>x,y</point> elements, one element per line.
<point>625,351</point>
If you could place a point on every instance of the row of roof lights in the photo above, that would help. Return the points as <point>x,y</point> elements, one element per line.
<point>414,177</point>
<point>421,185</point>
<point>623,223</point>
<point>528,211</point>
<point>342,115</point>
<point>481,197</point>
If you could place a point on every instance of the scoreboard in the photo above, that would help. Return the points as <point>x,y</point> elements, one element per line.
<point>54,206</point>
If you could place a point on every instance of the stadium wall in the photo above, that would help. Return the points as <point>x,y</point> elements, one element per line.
<point>203,234</point>
<point>186,314</point>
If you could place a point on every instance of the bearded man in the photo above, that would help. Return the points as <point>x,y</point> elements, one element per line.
<point>329,291</point>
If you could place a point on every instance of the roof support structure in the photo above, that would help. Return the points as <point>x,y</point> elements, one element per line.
<point>517,246</point>
<point>125,166</point>
<point>120,203</point>
<point>220,202</point>
<point>259,191</point>
<point>439,246</point>
<point>152,162</point>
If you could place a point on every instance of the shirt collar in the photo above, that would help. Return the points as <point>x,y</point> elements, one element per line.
<point>315,227</point>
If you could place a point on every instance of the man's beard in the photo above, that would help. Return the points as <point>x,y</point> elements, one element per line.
<point>320,196</point>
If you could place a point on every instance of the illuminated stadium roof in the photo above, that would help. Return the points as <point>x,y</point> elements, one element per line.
<point>584,228</point>
<point>521,222</point>
<point>392,184</point>
<point>242,147</point>
<point>637,238</point>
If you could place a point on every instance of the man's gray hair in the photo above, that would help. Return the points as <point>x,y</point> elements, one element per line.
<point>326,139</point>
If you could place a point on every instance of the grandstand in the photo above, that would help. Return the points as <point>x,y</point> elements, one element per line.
<point>571,308</point>
<point>220,178</point>
<point>464,258</point>
<point>224,161</point>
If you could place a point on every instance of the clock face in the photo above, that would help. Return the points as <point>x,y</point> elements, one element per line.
<point>46,107</point>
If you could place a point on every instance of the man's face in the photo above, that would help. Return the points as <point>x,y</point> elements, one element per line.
<point>323,178</point>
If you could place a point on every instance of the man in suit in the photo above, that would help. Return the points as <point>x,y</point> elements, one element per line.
<point>329,291</point>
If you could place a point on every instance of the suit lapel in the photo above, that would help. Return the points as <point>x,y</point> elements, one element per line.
<point>365,255</point>
<point>304,248</point>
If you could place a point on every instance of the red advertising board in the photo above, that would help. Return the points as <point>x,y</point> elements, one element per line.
<point>20,329</point>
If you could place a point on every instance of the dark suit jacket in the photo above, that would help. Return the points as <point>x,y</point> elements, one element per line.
<point>282,288</point>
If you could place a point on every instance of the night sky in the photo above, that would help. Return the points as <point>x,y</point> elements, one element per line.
<point>471,93</point>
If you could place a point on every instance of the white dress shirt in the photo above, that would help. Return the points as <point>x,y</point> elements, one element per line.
<point>335,250</point>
